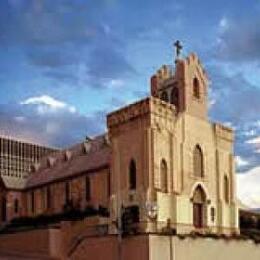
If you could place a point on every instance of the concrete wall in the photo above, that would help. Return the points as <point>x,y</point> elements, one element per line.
<point>167,248</point>
<point>155,247</point>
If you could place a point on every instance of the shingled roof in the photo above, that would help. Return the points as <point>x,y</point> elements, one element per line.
<point>88,156</point>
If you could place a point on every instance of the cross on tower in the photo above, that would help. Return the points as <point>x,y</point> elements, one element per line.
<point>178,47</point>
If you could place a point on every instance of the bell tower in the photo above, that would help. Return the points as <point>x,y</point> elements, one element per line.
<point>186,87</point>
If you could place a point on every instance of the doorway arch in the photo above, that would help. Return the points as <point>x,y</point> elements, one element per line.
<point>199,201</point>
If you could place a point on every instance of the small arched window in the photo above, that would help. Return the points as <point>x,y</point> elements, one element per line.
<point>87,189</point>
<point>48,197</point>
<point>3,209</point>
<point>226,189</point>
<point>67,192</point>
<point>198,162</point>
<point>164,96</point>
<point>175,97</point>
<point>163,176</point>
<point>132,175</point>
<point>32,201</point>
<point>196,88</point>
<point>16,206</point>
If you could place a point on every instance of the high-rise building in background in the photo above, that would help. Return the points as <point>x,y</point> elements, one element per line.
<point>17,158</point>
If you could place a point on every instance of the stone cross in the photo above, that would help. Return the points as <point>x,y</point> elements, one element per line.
<point>178,47</point>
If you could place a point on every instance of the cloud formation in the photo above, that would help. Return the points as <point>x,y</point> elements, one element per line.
<point>59,37</point>
<point>239,39</point>
<point>48,121</point>
<point>248,187</point>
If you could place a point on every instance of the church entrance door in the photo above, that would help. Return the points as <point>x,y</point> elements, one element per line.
<point>199,208</point>
<point>198,215</point>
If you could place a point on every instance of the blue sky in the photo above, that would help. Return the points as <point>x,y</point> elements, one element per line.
<point>65,64</point>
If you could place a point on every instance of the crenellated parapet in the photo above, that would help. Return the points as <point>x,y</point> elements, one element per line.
<point>224,132</point>
<point>151,105</point>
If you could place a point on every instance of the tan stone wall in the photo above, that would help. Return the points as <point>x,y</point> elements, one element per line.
<point>156,133</point>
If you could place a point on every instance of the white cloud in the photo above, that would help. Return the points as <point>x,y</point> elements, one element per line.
<point>223,24</point>
<point>248,187</point>
<point>229,124</point>
<point>46,104</point>
<point>241,162</point>
<point>251,132</point>
<point>255,140</point>
<point>212,102</point>
<point>19,119</point>
<point>116,83</point>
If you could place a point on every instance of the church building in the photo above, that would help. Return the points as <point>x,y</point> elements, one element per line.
<point>162,165</point>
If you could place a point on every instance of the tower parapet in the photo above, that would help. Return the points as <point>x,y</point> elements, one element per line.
<point>186,87</point>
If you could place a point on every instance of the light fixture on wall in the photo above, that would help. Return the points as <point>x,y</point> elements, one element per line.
<point>151,209</point>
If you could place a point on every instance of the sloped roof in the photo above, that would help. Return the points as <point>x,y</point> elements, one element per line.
<point>95,157</point>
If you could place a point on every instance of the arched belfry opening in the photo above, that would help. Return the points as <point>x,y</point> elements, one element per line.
<point>175,97</point>
<point>196,88</point>
<point>164,96</point>
<point>199,200</point>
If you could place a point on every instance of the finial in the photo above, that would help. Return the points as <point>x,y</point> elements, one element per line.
<point>178,48</point>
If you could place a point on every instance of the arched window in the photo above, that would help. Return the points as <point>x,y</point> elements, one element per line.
<point>87,189</point>
<point>175,97</point>
<point>132,175</point>
<point>196,88</point>
<point>164,96</point>
<point>16,206</point>
<point>67,192</point>
<point>48,197</point>
<point>3,209</point>
<point>32,202</point>
<point>163,176</point>
<point>226,189</point>
<point>198,162</point>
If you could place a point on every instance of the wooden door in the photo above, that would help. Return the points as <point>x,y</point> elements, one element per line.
<point>198,215</point>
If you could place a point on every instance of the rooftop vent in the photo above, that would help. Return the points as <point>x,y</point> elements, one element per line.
<point>86,147</point>
<point>35,167</point>
<point>68,155</point>
<point>51,161</point>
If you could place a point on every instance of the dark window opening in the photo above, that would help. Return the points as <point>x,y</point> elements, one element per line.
<point>163,176</point>
<point>164,96</point>
<point>132,175</point>
<point>175,97</point>
<point>87,189</point>
<point>3,210</point>
<point>198,162</point>
<point>67,192</point>
<point>16,206</point>
<point>196,88</point>
<point>32,202</point>
<point>226,189</point>
<point>48,197</point>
